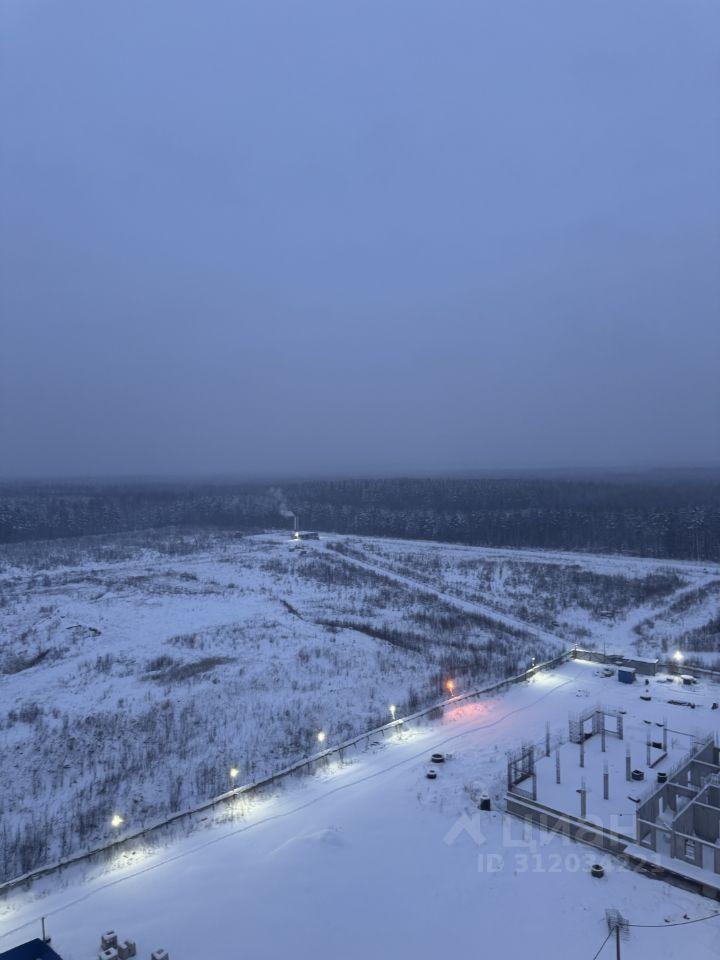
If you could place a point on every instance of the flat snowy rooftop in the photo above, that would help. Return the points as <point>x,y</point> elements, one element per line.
<point>373,860</point>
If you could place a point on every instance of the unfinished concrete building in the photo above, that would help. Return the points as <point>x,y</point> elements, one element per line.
<point>594,785</point>
<point>681,818</point>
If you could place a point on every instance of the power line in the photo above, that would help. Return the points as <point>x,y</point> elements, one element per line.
<point>659,926</point>
<point>603,944</point>
<point>674,923</point>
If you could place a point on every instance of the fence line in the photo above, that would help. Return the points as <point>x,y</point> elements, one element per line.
<point>302,766</point>
<point>306,765</point>
<point>668,666</point>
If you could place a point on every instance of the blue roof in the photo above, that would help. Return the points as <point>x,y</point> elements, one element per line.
<point>33,950</point>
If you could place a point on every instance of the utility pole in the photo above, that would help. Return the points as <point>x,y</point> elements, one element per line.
<point>618,925</point>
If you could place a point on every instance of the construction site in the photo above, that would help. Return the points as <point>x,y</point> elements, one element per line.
<point>632,784</point>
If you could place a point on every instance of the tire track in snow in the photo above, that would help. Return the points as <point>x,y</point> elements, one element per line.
<point>288,813</point>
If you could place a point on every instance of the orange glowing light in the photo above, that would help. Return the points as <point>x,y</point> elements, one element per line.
<point>450,686</point>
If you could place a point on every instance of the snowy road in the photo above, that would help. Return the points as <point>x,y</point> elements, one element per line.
<point>467,606</point>
<point>618,636</point>
<point>621,636</point>
<point>373,860</point>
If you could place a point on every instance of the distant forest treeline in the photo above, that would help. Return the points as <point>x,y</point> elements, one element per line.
<point>676,517</point>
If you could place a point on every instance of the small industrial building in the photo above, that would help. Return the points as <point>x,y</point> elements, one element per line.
<point>646,666</point>
<point>299,534</point>
<point>33,950</point>
<point>643,666</point>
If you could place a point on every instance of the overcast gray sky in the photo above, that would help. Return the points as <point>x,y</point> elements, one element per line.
<point>331,235</point>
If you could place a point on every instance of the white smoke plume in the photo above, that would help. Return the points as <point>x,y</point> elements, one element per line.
<point>283,509</point>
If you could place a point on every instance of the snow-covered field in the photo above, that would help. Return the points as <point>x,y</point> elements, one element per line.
<point>624,602</point>
<point>136,671</point>
<point>371,859</point>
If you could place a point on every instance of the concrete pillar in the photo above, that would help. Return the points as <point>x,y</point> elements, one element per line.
<point>653,838</point>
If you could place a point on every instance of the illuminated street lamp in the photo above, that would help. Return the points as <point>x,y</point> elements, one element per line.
<point>393,710</point>
<point>321,737</point>
<point>450,686</point>
<point>233,773</point>
<point>678,657</point>
<point>117,821</point>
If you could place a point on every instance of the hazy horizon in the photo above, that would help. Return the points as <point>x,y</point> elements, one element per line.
<point>646,472</point>
<point>273,240</point>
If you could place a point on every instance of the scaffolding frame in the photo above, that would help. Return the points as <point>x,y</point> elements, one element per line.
<point>521,767</point>
<point>597,717</point>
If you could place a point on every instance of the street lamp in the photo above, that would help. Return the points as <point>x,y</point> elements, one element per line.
<point>393,710</point>
<point>678,657</point>
<point>117,821</point>
<point>321,737</point>
<point>233,773</point>
<point>450,686</point>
